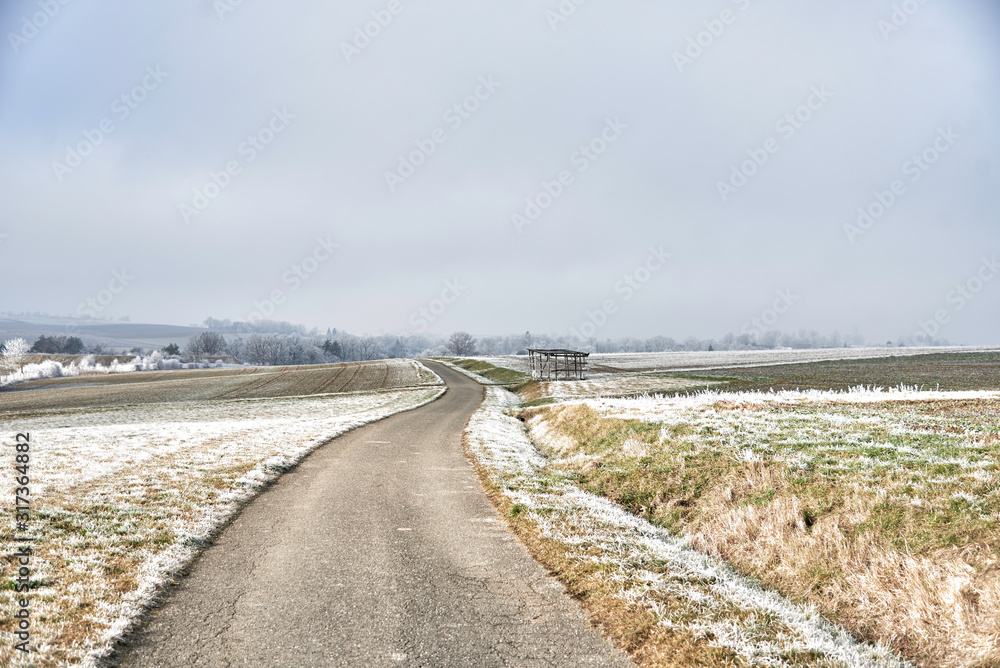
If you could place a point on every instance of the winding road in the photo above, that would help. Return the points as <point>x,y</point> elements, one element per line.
<point>380,549</point>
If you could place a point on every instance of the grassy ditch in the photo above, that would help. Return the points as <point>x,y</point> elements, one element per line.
<point>883,514</point>
<point>656,597</point>
<point>501,376</point>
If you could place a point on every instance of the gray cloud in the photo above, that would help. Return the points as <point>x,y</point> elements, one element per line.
<point>657,185</point>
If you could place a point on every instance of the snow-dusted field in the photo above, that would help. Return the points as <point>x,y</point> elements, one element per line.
<point>695,360</point>
<point>913,447</point>
<point>159,387</point>
<point>123,496</point>
<point>783,480</point>
<point>680,407</point>
<point>618,385</point>
<point>686,590</point>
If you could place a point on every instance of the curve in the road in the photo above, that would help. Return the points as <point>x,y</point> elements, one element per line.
<point>380,549</point>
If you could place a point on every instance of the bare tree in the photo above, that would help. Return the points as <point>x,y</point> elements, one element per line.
<point>461,344</point>
<point>279,349</point>
<point>266,349</point>
<point>207,343</point>
<point>370,349</point>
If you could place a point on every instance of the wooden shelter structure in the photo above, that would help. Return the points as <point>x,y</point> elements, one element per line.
<point>558,364</point>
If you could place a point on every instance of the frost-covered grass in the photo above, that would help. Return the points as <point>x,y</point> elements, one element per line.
<point>701,610</point>
<point>124,496</point>
<point>482,372</point>
<point>879,507</point>
<point>925,449</point>
<point>652,408</point>
<point>623,384</point>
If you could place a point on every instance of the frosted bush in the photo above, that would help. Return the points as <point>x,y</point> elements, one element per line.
<point>88,366</point>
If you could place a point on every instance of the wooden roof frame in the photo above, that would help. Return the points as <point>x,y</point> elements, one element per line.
<point>546,363</point>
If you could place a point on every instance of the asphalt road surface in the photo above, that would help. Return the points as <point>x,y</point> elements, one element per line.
<point>380,549</point>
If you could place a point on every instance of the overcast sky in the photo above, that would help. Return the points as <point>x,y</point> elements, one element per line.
<point>116,117</point>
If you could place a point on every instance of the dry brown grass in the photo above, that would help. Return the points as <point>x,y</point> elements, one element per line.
<point>942,609</point>
<point>631,628</point>
<point>815,541</point>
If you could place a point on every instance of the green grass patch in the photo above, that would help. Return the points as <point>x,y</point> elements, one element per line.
<point>498,374</point>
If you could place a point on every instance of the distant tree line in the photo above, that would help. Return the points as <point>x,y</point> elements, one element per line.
<point>58,345</point>
<point>297,348</point>
<point>282,343</point>
<point>515,345</point>
<point>297,345</point>
<point>275,349</point>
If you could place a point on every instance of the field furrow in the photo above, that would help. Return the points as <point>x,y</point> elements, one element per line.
<point>125,493</point>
